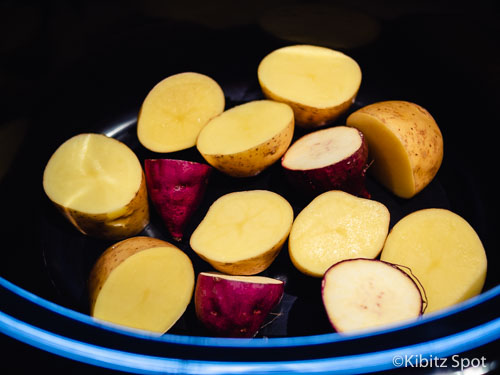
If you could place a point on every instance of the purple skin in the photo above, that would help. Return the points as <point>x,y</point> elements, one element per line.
<point>347,175</point>
<point>232,308</point>
<point>176,189</point>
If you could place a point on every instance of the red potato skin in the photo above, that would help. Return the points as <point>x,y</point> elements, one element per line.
<point>176,189</point>
<point>232,308</point>
<point>348,175</point>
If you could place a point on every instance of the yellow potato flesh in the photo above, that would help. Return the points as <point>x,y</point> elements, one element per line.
<point>242,225</point>
<point>336,226</point>
<point>443,251</point>
<point>149,290</point>
<point>93,174</point>
<point>405,144</point>
<point>176,109</point>
<point>313,76</point>
<point>244,127</point>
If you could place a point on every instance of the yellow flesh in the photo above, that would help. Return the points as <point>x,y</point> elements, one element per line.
<point>315,76</point>
<point>362,294</point>
<point>444,253</point>
<point>242,225</point>
<point>92,173</point>
<point>176,109</point>
<point>337,226</point>
<point>244,127</point>
<point>391,162</point>
<point>322,148</point>
<point>150,290</point>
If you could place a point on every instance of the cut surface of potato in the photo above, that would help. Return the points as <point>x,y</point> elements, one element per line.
<point>97,182</point>
<point>142,283</point>
<point>247,138</point>
<point>317,82</point>
<point>443,251</point>
<point>336,226</point>
<point>235,306</point>
<point>176,109</point>
<point>367,293</point>
<point>404,142</point>
<point>243,232</point>
<point>328,159</point>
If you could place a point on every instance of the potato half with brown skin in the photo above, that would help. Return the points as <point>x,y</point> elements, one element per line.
<point>246,139</point>
<point>405,143</point>
<point>243,232</point>
<point>141,282</point>
<point>98,184</point>
<point>176,109</point>
<point>319,83</point>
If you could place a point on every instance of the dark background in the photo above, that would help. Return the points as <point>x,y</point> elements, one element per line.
<point>67,66</point>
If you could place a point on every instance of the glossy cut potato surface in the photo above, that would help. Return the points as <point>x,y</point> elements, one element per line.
<point>176,109</point>
<point>98,184</point>
<point>443,251</point>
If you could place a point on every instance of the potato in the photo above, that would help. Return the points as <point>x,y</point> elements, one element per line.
<point>443,251</point>
<point>176,109</point>
<point>368,293</point>
<point>405,144</point>
<point>98,184</point>
<point>336,226</point>
<point>141,282</point>
<point>246,139</point>
<point>176,188</point>
<point>243,232</point>
<point>235,306</point>
<point>328,159</point>
<point>319,83</point>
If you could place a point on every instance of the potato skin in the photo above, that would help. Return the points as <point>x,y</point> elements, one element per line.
<point>250,266</point>
<point>114,226</point>
<point>309,117</point>
<point>418,133</point>
<point>113,256</point>
<point>233,308</point>
<point>251,162</point>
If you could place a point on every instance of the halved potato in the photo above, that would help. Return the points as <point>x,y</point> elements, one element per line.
<point>404,142</point>
<point>98,184</point>
<point>243,232</point>
<point>246,139</point>
<point>176,109</point>
<point>143,283</point>
<point>443,251</point>
<point>319,83</point>
<point>336,226</point>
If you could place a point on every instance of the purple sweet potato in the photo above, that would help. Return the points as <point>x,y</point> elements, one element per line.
<point>235,306</point>
<point>176,189</point>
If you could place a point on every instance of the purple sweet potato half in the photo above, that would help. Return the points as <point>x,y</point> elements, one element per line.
<point>328,159</point>
<point>176,189</point>
<point>235,306</point>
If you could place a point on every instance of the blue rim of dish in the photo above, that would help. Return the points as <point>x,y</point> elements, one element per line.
<point>141,363</point>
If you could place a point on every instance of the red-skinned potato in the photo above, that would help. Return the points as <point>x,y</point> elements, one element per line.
<point>368,293</point>
<point>176,188</point>
<point>328,159</point>
<point>235,306</point>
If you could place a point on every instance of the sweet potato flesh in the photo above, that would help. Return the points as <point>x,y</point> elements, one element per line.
<point>314,76</point>
<point>92,173</point>
<point>336,226</point>
<point>149,290</point>
<point>176,109</point>
<point>443,251</point>
<point>361,294</point>
<point>244,127</point>
<point>242,225</point>
<point>322,148</point>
